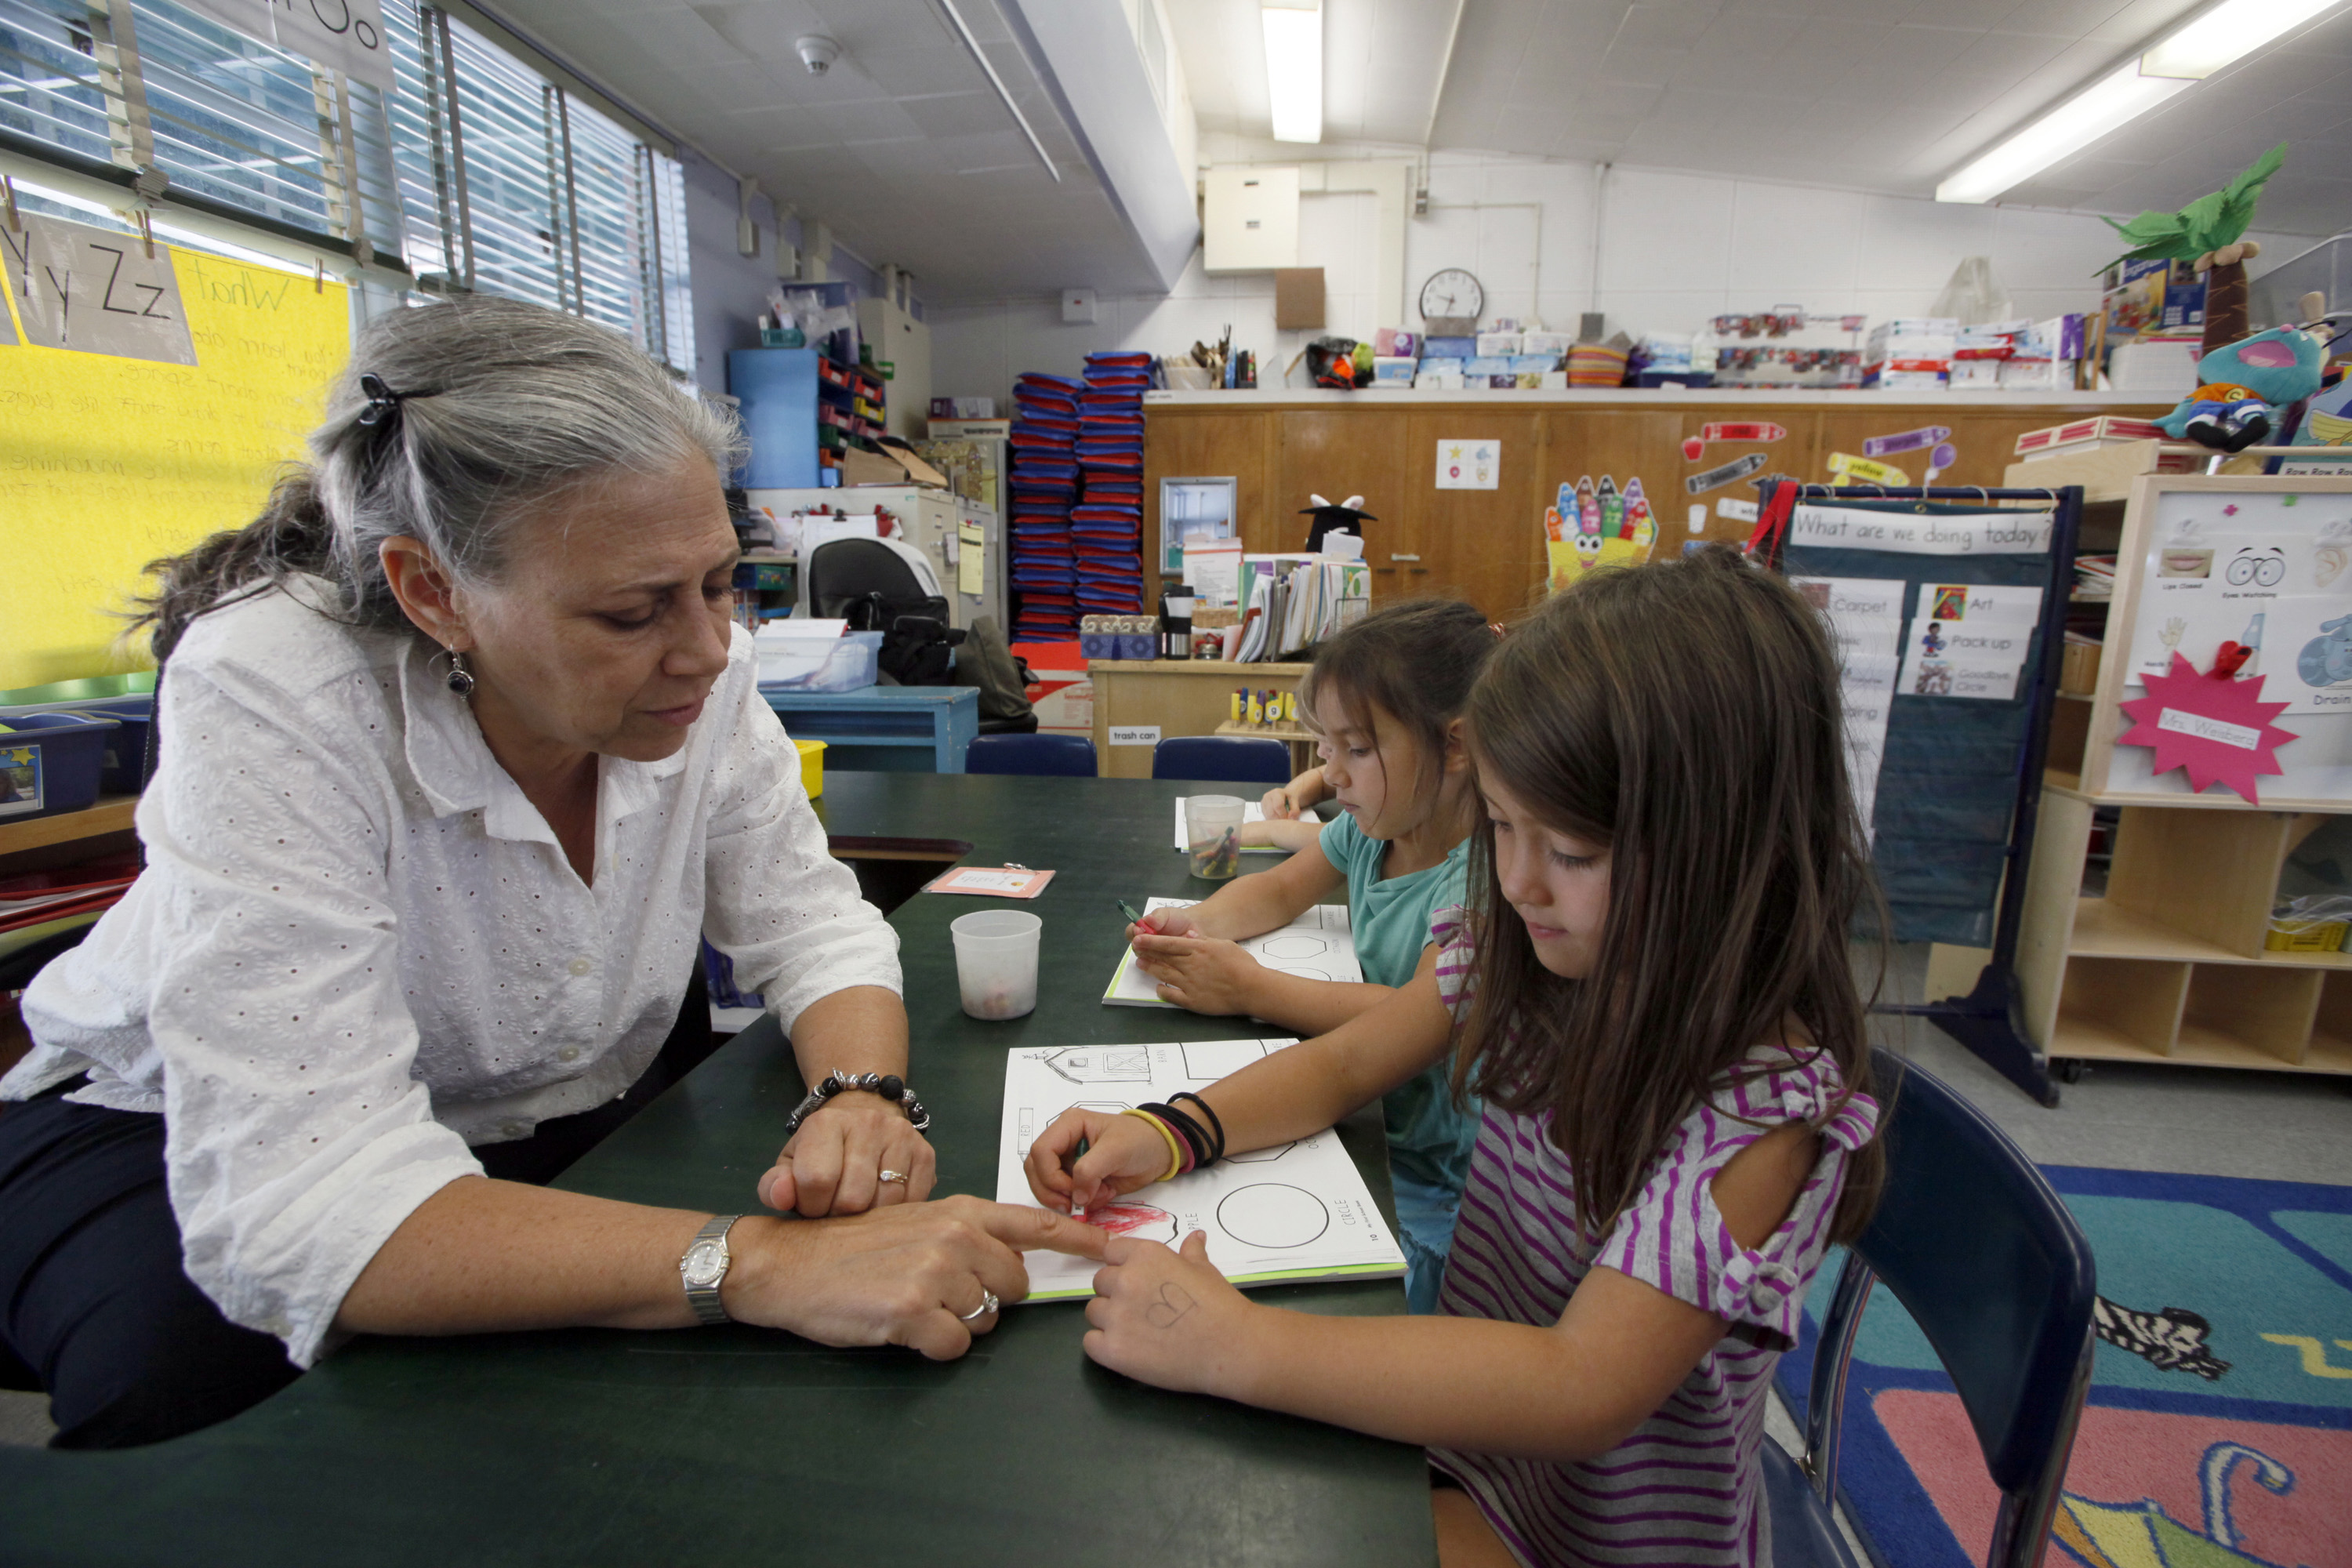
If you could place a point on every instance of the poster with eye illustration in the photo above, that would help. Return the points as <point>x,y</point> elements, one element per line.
<point>2268,572</point>
<point>1292,1212</point>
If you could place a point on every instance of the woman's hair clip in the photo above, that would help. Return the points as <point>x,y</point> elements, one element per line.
<point>381,414</point>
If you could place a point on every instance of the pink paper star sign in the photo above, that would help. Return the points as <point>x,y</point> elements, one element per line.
<point>2219,729</point>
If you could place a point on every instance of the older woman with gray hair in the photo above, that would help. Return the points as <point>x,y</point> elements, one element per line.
<point>461,756</point>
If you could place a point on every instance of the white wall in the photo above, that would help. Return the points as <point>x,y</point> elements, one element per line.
<point>1676,249</point>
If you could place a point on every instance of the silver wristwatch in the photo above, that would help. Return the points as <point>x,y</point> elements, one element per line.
<point>704,1269</point>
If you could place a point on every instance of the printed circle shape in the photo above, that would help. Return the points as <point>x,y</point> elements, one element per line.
<point>1272,1215</point>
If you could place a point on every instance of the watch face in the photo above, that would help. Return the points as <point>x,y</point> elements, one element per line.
<point>705,1263</point>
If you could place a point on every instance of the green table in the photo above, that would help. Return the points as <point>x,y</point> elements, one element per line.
<point>730,1445</point>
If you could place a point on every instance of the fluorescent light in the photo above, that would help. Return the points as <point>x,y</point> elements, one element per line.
<point>2228,31</point>
<point>2214,38</point>
<point>2121,95</point>
<point>1294,69</point>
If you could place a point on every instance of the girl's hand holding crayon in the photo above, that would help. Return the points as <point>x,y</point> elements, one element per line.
<point>1205,974</point>
<point>1169,1318</point>
<point>1164,922</point>
<point>1122,1154</point>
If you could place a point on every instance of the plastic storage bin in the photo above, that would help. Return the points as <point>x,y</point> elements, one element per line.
<point>124,769</point>
<point>845,663</point>
<point>49,763</point>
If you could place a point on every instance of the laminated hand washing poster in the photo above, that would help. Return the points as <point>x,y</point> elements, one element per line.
<point>1278,1216</point>
<point>1319,946</point>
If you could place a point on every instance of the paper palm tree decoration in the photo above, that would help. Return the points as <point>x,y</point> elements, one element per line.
<point>2207,231</point>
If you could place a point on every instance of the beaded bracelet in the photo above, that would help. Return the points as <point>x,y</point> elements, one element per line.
<point>1175,1150</point>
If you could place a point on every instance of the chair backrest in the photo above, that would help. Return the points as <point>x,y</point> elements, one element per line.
<point>843,571</point>
<point>1983,1254</point>
<point>1059,756</point>
<point>1234,759</point>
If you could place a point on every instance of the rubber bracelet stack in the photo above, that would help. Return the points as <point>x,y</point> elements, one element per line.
<point>1200,1148</point>
<point>1176,1152</point>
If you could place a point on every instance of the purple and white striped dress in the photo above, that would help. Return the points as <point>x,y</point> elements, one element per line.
<point>1683,1488</point>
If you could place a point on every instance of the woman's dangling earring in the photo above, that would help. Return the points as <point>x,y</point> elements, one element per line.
<point>461,680</point>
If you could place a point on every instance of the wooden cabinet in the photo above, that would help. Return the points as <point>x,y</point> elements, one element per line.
<point>1487,545</point>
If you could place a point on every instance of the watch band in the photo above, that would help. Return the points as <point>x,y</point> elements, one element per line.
<point>695,1270</point>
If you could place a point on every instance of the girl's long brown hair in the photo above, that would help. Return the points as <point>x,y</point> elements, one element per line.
<point>1685,715</point>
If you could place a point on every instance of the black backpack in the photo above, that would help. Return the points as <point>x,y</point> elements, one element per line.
<point>917,644</point>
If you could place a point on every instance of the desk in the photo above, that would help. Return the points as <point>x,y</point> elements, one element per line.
<point>719,1446</point>
<point>885,728</point>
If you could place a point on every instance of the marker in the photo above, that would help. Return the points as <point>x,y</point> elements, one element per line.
<point>1076,1212</point>
<point>1129,911</point>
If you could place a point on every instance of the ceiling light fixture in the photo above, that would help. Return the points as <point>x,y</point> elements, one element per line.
<point>2183,57</point>
<point>1294,68</point>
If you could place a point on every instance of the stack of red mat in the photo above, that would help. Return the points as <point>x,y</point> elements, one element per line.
<point>37,898</point>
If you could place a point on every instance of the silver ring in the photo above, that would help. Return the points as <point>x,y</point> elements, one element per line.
<point>988,1303</point>
<point>897,1177</point>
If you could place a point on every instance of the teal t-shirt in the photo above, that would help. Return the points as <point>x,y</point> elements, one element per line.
<point>1429,1136</point>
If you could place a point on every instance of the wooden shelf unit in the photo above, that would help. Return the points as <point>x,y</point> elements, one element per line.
<point>110,814</point>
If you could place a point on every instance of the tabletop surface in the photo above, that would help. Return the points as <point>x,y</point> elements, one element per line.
<point>867,696</point>
<point>737,1445</point>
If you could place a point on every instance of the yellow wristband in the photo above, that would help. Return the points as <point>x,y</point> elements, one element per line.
<point>1168,1135</point>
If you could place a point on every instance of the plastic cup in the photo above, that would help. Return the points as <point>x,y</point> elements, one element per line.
<point>996,963</point>
<point>1213,834</point>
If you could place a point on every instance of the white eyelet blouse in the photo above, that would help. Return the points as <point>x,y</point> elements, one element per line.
<point>357,948</point>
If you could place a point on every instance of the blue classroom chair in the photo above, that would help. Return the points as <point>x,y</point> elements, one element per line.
<point>1234,759</point>
<point>1055,756</point>
<point>1988,1263</point>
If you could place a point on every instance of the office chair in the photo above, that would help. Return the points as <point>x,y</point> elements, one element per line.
<point>1231,759</point>
<point>843,571</point>
<point>1055,756</point>
<point>1988,1263</point>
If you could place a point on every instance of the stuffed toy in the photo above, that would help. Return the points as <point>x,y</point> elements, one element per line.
<point>2206,232</point>
<point>1330,519</point>
<point>2246,388</point>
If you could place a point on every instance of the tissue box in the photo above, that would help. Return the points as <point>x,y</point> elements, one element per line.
<point>1552,344</point>
<point>1392,371</point>
<point>1388,342</point>
<point>1487,365</point>
<point>1502,344</point>
<point>1975,375</point>
<point>1440,366</point>
<point>1534,364</point>
<point>1448,348</point>
<point>1438,380</point>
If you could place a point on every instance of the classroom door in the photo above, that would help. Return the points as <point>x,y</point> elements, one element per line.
<point>1483,545</point>
<point>1338,453</point>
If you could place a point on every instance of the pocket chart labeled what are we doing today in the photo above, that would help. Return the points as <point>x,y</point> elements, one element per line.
<point>1282,1214</point>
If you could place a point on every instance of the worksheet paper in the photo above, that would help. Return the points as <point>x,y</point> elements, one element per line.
<point>1251,812</point>
<point>1277,1216</point>
<point>1319,946</point>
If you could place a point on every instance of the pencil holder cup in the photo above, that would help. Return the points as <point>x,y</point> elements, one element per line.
<point>996,963</point>
<point>1213,834</point>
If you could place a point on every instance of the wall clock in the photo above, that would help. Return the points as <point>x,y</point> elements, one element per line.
<point>1450,303</point>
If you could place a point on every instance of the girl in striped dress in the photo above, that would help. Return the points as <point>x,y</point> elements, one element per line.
<point>1651,990</point>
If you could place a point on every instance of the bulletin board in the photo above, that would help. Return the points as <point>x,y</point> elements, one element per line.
<point>108,462</point>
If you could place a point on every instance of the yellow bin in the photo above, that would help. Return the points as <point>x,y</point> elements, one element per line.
<point>812,766</point>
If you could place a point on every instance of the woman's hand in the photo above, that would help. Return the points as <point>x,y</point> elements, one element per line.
<point>1171,1319</point>
<point>902,1276</point>
<point>833,1164</point>
<point>1123,1153</point>
<point>1203,974</point>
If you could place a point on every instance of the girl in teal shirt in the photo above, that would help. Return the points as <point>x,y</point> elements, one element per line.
<point>1386,696</point>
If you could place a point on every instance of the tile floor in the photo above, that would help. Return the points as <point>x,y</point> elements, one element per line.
<point>2276,1126</point>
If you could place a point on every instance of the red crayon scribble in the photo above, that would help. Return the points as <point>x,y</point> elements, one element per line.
<point>1123,1219</point>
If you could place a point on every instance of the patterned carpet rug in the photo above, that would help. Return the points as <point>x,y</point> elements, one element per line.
<point>2219,1428</point>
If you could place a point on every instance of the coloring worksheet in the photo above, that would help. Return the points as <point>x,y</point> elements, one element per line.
<point>1277,1216</point>
<point>1253,812</point>
<point>1319,946</point>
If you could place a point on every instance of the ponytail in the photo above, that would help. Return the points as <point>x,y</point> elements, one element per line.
<point>292,535</point>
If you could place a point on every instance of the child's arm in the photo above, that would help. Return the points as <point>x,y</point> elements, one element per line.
<point>1294,834</point>
<point>1568,1391</point>
<point>1252,905</point>
<point>1294,1093</point>
<point>1294,798</point>
<point>1218,978</point>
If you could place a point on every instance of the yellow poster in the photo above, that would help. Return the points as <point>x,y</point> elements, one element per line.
<point>107,463</point>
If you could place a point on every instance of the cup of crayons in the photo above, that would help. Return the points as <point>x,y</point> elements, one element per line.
<point>1213,834</point>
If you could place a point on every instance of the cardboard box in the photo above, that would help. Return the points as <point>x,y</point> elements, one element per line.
<point>972,429</point>
<point>864,468</point>
<point>2105,430</point>
<point>963,408</point>
<point>1297,298</point>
